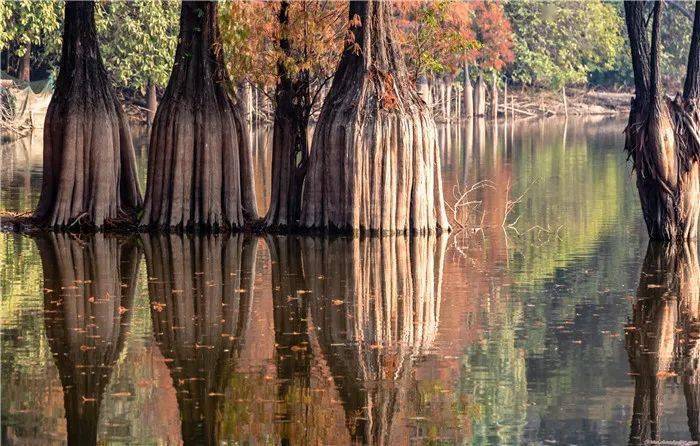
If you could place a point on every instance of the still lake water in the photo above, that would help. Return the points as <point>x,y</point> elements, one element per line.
<point>540,328</point>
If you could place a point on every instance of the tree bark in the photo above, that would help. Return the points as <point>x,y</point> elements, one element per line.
<point>374,164</point>
<point>25,68</point>
<point>494,97</point>
<point>468,94</point>
<point>480,97</point>
<point>200,166</point>
<point>289,142</point>
<point>151,103</point>
<point>89,166</point>
<point>89,287</point>
<point>201,309</point>
<point>448,97</point>
<point>662,137</point>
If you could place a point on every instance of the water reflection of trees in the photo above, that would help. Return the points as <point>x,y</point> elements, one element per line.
<point>662,338</point>
<point>375,307</point>
<point>89,285</point>
<point>200,291</point>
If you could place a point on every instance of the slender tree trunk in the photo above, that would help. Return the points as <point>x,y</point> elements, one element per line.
<point>663,135</point>
<point>151,102</point>
<point>200,166</point>
<point>468,94</point>
<point>25,68</point>
<point>480,97</point>
<point>424,92</point>
<point>494,97</point>
<point>89,171</point>
<point>374,163</point>
<point>289,142</point>
<point>448,98</point>
<point>89,287</point>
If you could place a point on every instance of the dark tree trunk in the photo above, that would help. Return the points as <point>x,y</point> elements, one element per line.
<point>151,102</point>
<point>25,68</point>
<point>663,135</point>
<point>374,164</point>
<point>89,161</point>
<point>289,141</point>
<point>201,305</point>
<point>200,167</point>
<point>662,340</point>
<point>89,288</point>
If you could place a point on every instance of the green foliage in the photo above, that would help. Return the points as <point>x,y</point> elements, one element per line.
<point>138,40</point>
<point>562,43</point>
<point>35,22</point>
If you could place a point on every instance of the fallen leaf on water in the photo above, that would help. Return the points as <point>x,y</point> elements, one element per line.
<point>337,302</point>
<point>121,394</point>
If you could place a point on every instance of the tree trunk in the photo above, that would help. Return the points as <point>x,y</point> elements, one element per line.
<point>89,171</point>
<point>289,143</point>
<point>468,94</point>
<point>480,97</point>
<point>448,98</point>
<point>494,97</point>
<point>201,311</point>
<point>662,137</point>
<point>25,68</point>
<point>200,167</point>
<point>89,287</point>
<point>151,103</point>
<point>424,92</point>
<point>374,163</point>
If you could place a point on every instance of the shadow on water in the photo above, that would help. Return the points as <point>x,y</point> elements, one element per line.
<point>89,287</point>
<point>662,340</point>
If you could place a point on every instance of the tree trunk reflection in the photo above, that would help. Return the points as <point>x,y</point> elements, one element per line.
<point>89,285</point>
<point>662,338</point>
<point>200,290</point>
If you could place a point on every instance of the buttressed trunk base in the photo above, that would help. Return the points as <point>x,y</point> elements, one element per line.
<point>89,167</point>
<point>374,164</point>
<point>200,168</point>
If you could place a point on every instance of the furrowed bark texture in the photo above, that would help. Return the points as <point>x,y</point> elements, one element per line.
<point>663,135</point>
<point>200,292</point>
<point>89,288</point>
<point>662,340</point>
<point>374,164</point>
<point>200,167</point>
<point>375,308</point>
<point>289,142</point>
<point>89,166</point>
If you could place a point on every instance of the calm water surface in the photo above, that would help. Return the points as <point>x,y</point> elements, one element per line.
<point>552,324</point>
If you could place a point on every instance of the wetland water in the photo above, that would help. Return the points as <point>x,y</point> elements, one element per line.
<point>560,329</point>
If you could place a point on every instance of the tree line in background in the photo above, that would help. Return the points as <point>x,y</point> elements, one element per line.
<point>530,43</point>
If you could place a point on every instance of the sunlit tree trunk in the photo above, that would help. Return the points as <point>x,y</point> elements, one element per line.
<point>468,94</point>
<point>89,171</point>
<point>494,96</point>
<point>200,166</point>
<point>374,165</point>
<point>480,97</point>
<point>663,135</point>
